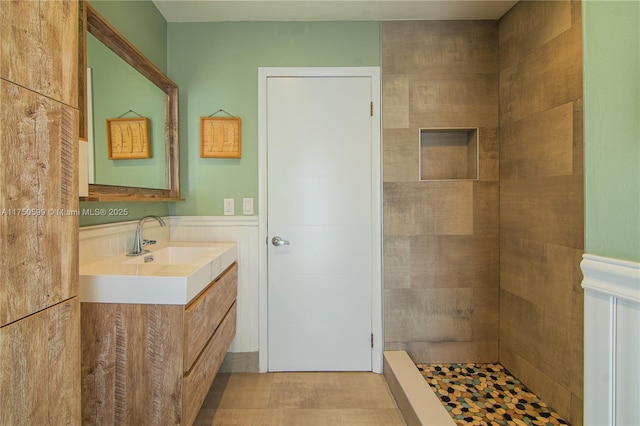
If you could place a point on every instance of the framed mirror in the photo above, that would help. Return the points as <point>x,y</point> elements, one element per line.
<point>107,44</point>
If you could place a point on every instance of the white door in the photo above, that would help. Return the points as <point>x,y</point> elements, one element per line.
<point>319,173</point>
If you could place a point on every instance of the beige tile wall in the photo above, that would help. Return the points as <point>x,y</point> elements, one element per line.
<point>441,241</point>
<point>489,270</point>
<point>541,200</point>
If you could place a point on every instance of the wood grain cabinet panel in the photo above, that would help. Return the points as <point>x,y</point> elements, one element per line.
<point>129,352</point>
<point>206,312</point>
<point>134,356</point>
<point>39,47</point>
<point>40,366</point>
<point>38,201</point>
<point>39,307</point>
<point>197,382</point>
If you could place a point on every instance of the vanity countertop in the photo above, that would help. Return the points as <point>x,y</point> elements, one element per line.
<point>173,274</point>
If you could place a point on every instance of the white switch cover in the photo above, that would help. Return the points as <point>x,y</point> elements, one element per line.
<point>229,209</point>
<point>247,206</point>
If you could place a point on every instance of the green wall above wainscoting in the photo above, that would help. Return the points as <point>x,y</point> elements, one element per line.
<point>612,128</point>
<point>215,65</point>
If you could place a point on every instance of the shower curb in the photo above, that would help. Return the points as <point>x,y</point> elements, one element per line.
<point>414,397</point>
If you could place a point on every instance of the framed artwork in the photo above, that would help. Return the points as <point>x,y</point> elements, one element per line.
<point>128,138</point>
<point>220,137</point>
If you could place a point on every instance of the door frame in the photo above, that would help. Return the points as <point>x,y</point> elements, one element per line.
<point>264,73</point>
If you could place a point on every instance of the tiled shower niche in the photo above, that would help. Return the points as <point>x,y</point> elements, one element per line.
<point>448,154</point>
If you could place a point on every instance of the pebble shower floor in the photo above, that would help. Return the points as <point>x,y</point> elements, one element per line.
<point>486,394</point>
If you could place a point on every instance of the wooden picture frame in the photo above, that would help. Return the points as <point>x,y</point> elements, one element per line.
<point>220,137</point>
<point>128,138</point>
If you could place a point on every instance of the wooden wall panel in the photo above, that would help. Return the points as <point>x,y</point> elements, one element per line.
<point>548,338</point>
<point>400,155</point>
<point>544,208</point>
<point>486,209</point>
<point>446,352</point>
<point>538,272</point>
<point>454,100</point>
<point>440,237</point>
<point>543,385</point>
<point>546,78</point>
<point>448,159</point>
<point>39,201</point>
<point>432,256</point>
<point>545,20</point>
<point>432,308</point>
<point>489,153</point>
<point>439,47</point>
<point>397,267</point>
<point>578,137</point>
<point>396,94</point>
<point>433,208</point>
<point>39,47</point>
<point>39,366</point>
<point>438,314</point>
<point>542,201</point>
<point>523,153</point>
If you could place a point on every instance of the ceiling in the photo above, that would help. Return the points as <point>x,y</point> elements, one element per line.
<point>329,10</point>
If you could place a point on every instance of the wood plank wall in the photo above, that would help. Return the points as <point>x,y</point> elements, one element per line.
<point>441,239</point>
<point>541,200</point>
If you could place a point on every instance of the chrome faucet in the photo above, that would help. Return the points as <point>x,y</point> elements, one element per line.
<point>139,242</point>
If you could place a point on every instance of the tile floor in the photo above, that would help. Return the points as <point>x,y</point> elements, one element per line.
<point>333,398</point>
<point>486,394</point>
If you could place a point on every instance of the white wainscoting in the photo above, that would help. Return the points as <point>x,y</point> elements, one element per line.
<point>243,230</point>
<point>112,239</point>
<point>611,341</point>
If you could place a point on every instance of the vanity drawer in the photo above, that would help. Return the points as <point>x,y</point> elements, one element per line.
<point>197,382</point>
<point>205,313</point>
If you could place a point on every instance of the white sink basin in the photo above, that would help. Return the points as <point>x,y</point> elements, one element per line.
<point>171,273</point>
<point>172,255</point>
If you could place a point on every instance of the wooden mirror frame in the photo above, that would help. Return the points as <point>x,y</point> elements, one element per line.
<point>102,30</point>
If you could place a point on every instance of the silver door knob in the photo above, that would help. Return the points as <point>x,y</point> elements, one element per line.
<point>277,241</point>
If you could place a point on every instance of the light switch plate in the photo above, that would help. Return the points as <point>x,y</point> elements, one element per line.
<point>247,206</point>
<point>229,209</point>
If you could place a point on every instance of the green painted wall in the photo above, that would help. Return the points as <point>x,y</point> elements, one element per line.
<point>216,67</point>
<point>612,128</point>
<point>143,25</point>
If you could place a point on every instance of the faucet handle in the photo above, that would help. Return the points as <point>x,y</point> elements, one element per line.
<point>149,242</point>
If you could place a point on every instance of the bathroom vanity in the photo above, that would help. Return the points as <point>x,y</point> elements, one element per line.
<point>155,329</point>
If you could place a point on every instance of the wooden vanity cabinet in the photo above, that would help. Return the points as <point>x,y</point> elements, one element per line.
<point>205,312</point>
<point>154,364</point>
